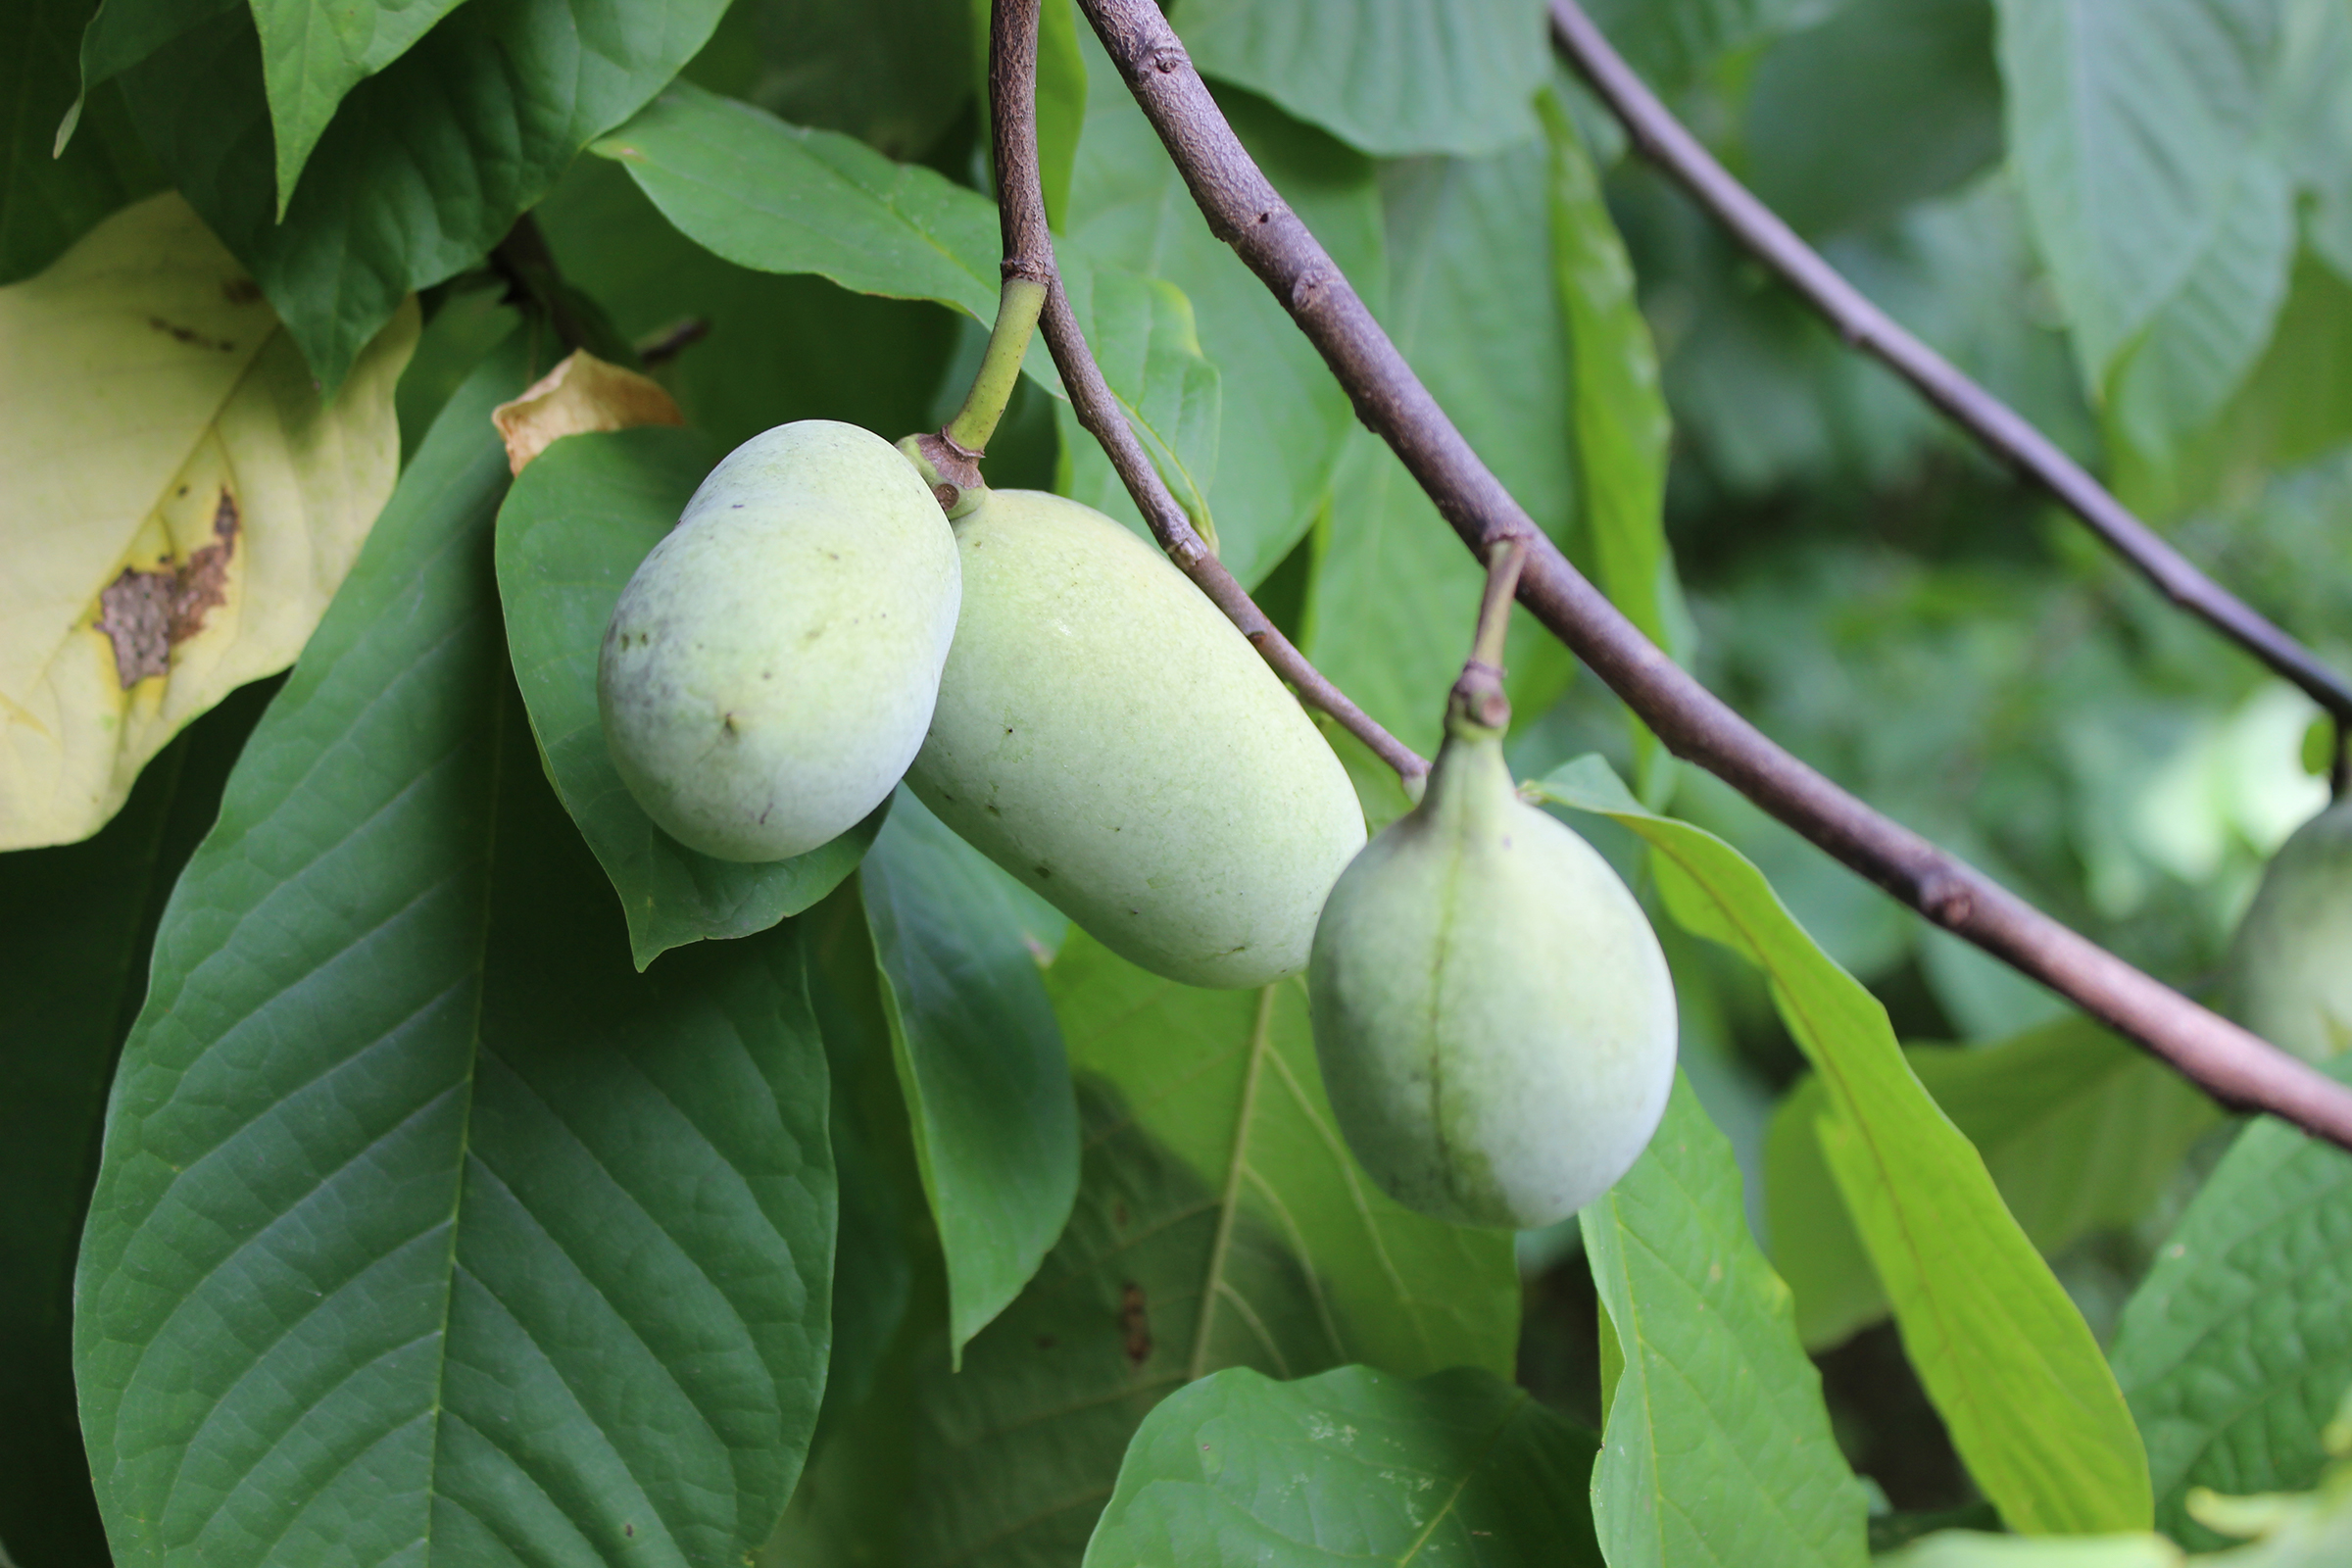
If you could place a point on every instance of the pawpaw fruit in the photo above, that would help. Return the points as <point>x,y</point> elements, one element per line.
<point>770,669</point>
<point>1492,1013</point>
<point>2288,977</point>
<point>1105,735</point>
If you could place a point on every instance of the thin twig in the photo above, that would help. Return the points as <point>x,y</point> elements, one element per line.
<point>1997,427</point>
<point>1244,210</point>
<point>523,260</point>
<point>1029,253</point>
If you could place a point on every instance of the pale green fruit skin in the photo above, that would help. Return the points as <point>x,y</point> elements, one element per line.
<point>1105,735</point>
<point>1492,1013</point>
<point>2290,976</point>
<point>770,669</point>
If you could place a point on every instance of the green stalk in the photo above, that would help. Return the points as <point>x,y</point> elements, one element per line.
<point>1017,309</point>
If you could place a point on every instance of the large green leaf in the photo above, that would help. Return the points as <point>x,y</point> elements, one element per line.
<point>2081,1131</point>
<point>1141,331</point>
<point>1717,1447</point>
<point>1882,105</point>
<point>1472,304</point>
<point>778,347</point>
<point>573,529</point>
<point>1673,42</point>
<point>891,72</point>
<point>979,1057</point>
<point>1284,419</point>
<point>1390,77</point>
<point>2133,130</point>
<point>1350,1467</point>
<point>426,1229</point>
<point>47,202</point>
<point>426,164</point>
<point>2003,1353</point>
<point>72,978</point>
<point>1620,420</point>
<point>783,199</point>
<point>313,54</point>
<point>2236,1348</point>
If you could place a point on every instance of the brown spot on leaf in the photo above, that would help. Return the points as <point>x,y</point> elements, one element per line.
<point>241,291</point>
<point>145,615</point>
<point>1135,1324</point>
<point>190,336</point>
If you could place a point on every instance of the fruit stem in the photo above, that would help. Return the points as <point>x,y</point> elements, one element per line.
<point>1477,706</point>
<point>1017,309</point>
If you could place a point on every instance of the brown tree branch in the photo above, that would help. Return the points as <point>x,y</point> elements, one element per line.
<point>1029,253</point>
<point>1244,210</point>
<point>1997,427</point>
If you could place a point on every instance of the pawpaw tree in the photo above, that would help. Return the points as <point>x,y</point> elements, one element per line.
<point>572,998</point>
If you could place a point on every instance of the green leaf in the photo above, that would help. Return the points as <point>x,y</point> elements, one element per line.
<point>46,202</point>
<point>1354,1466</point>
<point>2081,1131</point>
<point>2003,1353</point>
<point>2235,1348</point>
<point>2132,128</point>
<point>979,1057</point>
<point>1284,417</point>
<point>70,982</point>
<point>425,1228</point>
<point>1717,1445</point>
<point>1674,42</point>
<point>313,54</point>
<point>783,199</point>
<point>1620,420</point>
<point>1968,1549</point>
<point>1227,1082</point>
<point>778,348</point>
<point>1473,307</point>
<point>1141,331</point>
<point>573,527</point>
<point>1389,76</point>
<point>425,165</point>
<point>1880,105</point>
<point>890,72</point>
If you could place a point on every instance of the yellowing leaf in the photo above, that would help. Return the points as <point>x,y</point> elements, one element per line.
<point>176,506</point>
<point>581,394</point>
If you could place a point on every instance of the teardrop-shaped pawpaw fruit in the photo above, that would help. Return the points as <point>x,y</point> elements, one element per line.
<point>1493,1016</point>
<point>2289,974</point>
<point>770,669</point>
<point>1105,735</point>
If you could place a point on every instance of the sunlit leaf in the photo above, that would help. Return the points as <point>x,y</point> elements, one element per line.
<point>2005,1355</point>
<point>2082,1132</point>
<point>425,1228</point>
<point>1350,1467</point>
<point>177,504</point>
